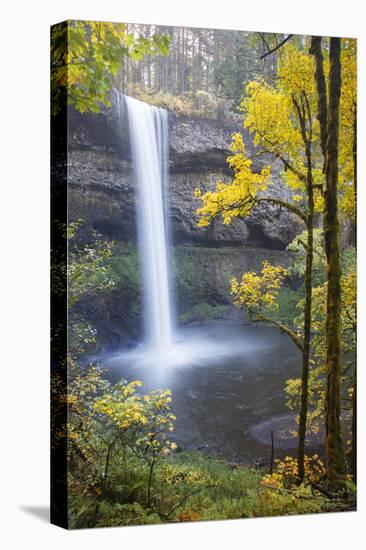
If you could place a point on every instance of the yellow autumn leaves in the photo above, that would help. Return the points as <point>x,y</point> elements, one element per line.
<point>285,473</point>
<point>258,292</point>
<point>233,199</point>
<point>148,417</point>
<point>270,116</point>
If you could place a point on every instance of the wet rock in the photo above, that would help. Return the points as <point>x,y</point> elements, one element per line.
<point>101,187</point>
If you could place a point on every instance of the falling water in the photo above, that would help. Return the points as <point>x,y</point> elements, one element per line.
<point>165,344</point>
<point>149,143</point>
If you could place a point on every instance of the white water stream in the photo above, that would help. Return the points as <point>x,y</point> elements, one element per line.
<point>163,346</point>
<point>149,144</point>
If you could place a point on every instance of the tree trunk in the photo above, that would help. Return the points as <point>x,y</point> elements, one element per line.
<point>182,63</point>
<point>271,458</point>
<point>316,51</point>
<point>336,462</point>
<point>354,395</point>
<point>177,67</point>
<point>151,472</point>
<point>305,121</point>
<point>307,338</point>
<point>308,305</point>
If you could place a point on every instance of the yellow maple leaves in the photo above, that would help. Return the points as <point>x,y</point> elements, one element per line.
<point>271,116</point>
<point>258,291</point>
<point>145,422</point>
<point>125,407</point>
<point>268,116</point>
<point>348,130</point>
<point>233,199</point>
<point>285,474</point>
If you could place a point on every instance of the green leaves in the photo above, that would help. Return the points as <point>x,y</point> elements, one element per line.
<point>89,272</point>
<point>89,268</point>
<point>86,55</point>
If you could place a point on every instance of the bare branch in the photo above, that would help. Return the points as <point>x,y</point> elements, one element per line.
<point>269,52</point>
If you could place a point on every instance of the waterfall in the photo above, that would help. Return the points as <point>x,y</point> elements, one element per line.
<point>165,345</point>
<point>149,144</point>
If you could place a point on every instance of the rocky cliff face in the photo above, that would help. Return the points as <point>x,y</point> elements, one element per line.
<point>102,190</point>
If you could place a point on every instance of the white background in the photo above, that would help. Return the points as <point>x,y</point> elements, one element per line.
<point>24,314</point>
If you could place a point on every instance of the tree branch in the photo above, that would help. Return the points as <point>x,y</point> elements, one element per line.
<point>290,333</point>
<point>269,52</point>
<point>288,205</point>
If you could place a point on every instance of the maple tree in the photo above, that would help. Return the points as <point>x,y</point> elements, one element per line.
<point>289,122</point>
<point>282,120</point>
<point>86,55</point>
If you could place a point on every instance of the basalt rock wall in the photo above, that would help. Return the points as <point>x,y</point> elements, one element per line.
<point>102,191</point>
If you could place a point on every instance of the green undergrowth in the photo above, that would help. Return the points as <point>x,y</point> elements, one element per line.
<point>202,285</point>
<point>125,268</point>
<point>189,486</point>
<point>201,313</point>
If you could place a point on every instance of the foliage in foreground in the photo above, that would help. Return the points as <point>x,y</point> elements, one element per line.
<point>86,55</point>
<point>123,464</point>
<point>124,468</point>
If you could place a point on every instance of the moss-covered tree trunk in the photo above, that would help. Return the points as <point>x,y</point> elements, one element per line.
<point>336,462</point>
<point>307,134</point>
<point>307,339</point>
<point>316,51</point>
